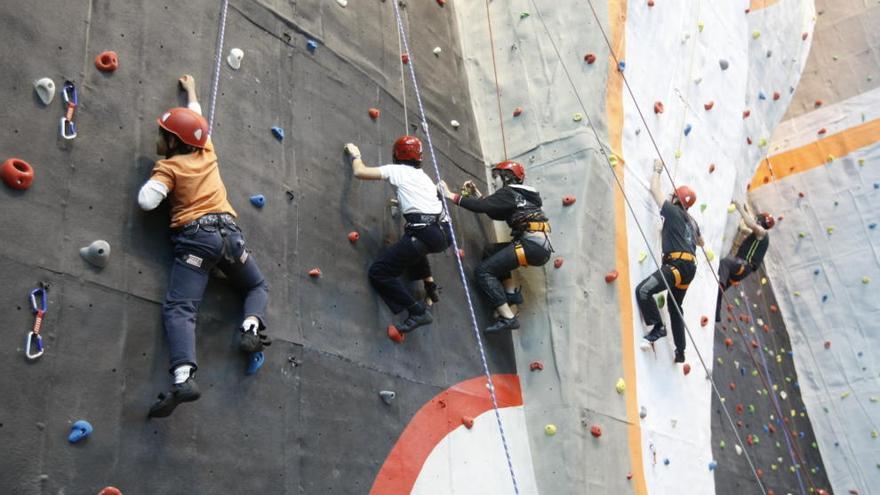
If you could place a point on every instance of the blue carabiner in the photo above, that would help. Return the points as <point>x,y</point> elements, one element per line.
<point>42,306</point>
<point>69,93</point>
<point>67,127</point>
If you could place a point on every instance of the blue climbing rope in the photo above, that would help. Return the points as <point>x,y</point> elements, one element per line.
<point>490,384</point>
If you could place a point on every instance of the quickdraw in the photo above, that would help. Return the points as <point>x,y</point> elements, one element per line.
<point>39,307</point>
<point>67,126</point>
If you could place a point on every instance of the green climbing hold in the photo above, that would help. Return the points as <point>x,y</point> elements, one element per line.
<point>661,301</point>
<point>523,15</point>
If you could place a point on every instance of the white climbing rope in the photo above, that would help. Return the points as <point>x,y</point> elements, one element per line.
<point>217,56</point>
<point>603,151</point>
<point>489,383</point>
<point>402,79</point>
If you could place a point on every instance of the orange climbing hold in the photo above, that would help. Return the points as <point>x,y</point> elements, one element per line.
<point>686,369</point>
<point>658,107</point>
<point>315,272</point>
<point>110,490</point>
<point>732,386</point>
<point>353,237</point>
<point>17,173</point>
<point>704,320</point>
<point>774,308</point>
<point>558,262</point>
<point>822,131</point>
<point>596,431</point>
<point>754,344</point>
<point>611,276</point>
<point>818,103</point>
<point>107,61</point>
<point>708,106</point>
<point>517,111</point>
<point>711,167</point>
<point>568,200</point>
<point>374,113</point>
<point>728,342</point>
<point>801,194</point>
<point>590,58</point>
<point>536,366</point>
<point>766,328</point>
<point>467,421</point>
<point>740,409</point>
<point>395,335</point>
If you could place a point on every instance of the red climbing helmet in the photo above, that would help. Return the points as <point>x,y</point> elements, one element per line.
<point>408,148</point>
<point>187,125</point>
<point>766,220</point>
<point>515,168</point>
<point>686,196</point>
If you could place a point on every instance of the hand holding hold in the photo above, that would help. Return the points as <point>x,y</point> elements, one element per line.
<point>187,82</point>
<point>444,189</point>
<point>658,166</point>
<point>471,188</point>
<point>353,151</point>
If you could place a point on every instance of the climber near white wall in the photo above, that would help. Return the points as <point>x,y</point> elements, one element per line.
<point>205,236</point>
<point>750,246</point>
<point>680,238</point>
<point>520,207</point>
<point>426,231</point>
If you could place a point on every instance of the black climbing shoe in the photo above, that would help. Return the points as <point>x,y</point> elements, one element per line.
<point>187,391</point>
<point>432,292</point>
<point>254,342</point>
<point>658,332</point>
<point>679,356</point>
<point>515,298</point>
<point>502,324</point>
<point>414,321</point>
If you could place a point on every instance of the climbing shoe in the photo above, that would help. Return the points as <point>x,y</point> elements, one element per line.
<point>658,332</point>
<point>515,297</point>
<point>187,391</point>
<point>679,356</point>
<point>502,324</point>
<point>414,321</point>
<point>432,292</point>
<point>254,342</point>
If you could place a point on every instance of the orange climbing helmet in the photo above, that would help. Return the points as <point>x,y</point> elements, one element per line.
<point>513,167</point>
<point>187,125</point>
<point>408,148</point>
<point>686,196</point>
<point>766,220</point>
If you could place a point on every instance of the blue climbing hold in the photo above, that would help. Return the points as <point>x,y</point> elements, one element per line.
<point>801,434</point>
<point>621,66</point>
<point>872,226</point>
<point>860,353</point>
<point>312,45</point>
<point>742,371</point>
<point>258,200</point>
<point>766,429</point>
<point>666,461</point>
<point>79,430</point>
<point>816,271</point>
<point>254,364</point>
<point>687,129</point>
<point>278,133</point>
<point>877,185</point>
<point>824,297</point>
<point>762,96</point>
<point>713,465</point>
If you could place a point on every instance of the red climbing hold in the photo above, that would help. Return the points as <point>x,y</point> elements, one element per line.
<point>728,342</point>
<point>748,10</point>
<point>708,106</point>
<point>771,492</point>
<point>774,308</point>
<point>804,36</point>
<point>828,344</point>
<point>629,475</point>
<point>766,328</point>
<point>558,262</point>
<point>740,409</point>
<point>650,3</point>
<point>611,276</point>
<point>517,111</point>
<point>353,237</point>
<point>748,140</point>
<point>315,272</point>
<point>107,61</point>
<point>110,490</point>
<point>732,386</point>
<point>590,58</point>
<point>754,344</point>
<point>759,471</point>
<point>746,113</point>
<point>771,428</point>
<point>766,180</point>
<point>441,2</point>
<point>658,107</point>
<point>822,131</point>
<point>711,167</point>
<point>404,57</point>
<point>818,103</point>
<point>596,431</point>
<point>374,113</point>
<point>461,254</point>
<point>467,421</point>
<point>686,369</point>
<point>395,335</point>
<point>17,173</point>
<point>568,200</point>
<point>776,95</point>
<point>801,194</point>
<point>704,320</point>
<point>536,366</point>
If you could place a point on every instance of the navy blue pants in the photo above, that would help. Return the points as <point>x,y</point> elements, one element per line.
<point>197,250</point>
<point>677,273</point>
<point>410,253</point>
<point>499,260</point>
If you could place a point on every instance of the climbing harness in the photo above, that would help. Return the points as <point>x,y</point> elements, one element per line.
<point>34,340</point>
<point>520,254</point>
<point>458,259</point>
<point>67,127</point>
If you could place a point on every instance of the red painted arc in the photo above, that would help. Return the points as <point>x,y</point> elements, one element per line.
<point>436,419</point>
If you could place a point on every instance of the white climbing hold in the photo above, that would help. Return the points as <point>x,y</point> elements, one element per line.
<point>454,123</point>
<point>96,253</point>
<point>45,89</point>
<point>234,58</point>
<point>342,3</point>
<point>437,50</point>
<point>577,117</point>
<point>387,396</point>
<point>739,449</point>
<point>698,79</point>
<point>643,412</point>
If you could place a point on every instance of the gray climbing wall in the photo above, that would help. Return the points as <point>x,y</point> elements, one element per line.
<point>310,421</point>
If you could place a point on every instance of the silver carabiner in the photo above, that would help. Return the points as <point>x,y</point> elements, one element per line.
<point>30,341</point>
<point>67,128</point>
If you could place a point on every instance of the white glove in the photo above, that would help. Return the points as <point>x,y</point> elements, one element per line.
<point>250,324</point>
<point>353,151</point>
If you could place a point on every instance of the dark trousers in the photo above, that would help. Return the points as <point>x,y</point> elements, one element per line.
<point>654,284</point>
<point>499,260</point>
<point>410,253</point>
<point>731,269</point>
<point>197,250</point>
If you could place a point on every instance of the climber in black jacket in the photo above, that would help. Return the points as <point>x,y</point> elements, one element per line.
<point>520,207</point>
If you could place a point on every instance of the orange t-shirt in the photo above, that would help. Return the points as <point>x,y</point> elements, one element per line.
<point>194,185</point>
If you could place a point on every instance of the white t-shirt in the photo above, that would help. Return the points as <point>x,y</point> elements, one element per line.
<point>416,192</point>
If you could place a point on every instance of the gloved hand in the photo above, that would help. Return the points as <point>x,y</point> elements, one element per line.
<point>352,150</point>
<point>471,188</point>
<point>444,189</point>
<point>253,338</point>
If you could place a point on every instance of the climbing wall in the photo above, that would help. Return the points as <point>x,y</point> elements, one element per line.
<point>311,419</point>
<point>706,83</point>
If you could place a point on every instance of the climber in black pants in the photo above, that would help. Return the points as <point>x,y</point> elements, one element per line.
<point>680,238</point>
<point>520,207</point>
<point>753,241</point>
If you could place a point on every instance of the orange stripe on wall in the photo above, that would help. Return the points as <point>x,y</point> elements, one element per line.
<point>761,4</point>
<point>614,113</point>
<point>815,154</point>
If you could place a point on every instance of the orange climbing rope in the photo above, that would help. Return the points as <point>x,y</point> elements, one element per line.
<point>497,86</point>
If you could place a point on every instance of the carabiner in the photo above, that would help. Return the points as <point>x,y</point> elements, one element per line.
<point>27,350</point>
<point>39,308</point>
<point>67,127</point>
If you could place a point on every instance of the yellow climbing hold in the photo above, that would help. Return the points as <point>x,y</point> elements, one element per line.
<point>578,117</point>
<point>802,234</point>
<point>763,280</point>
<point>829,230</point>
<point>620,386</point>
<point>861,162</point>
<point>873,433</point>
<point>678,153</point>
<point>845,395</point>
<point>612,159</point>
<point>762,142</point>
<point>710,254</point>
<point>866,280</point>
<point>700,26</point>
<point>643,256</point>
<point>550,430</point>
<point>797,293</point>
<point>829,158</point>
<point>756,34</point>
<point>731,208</point>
